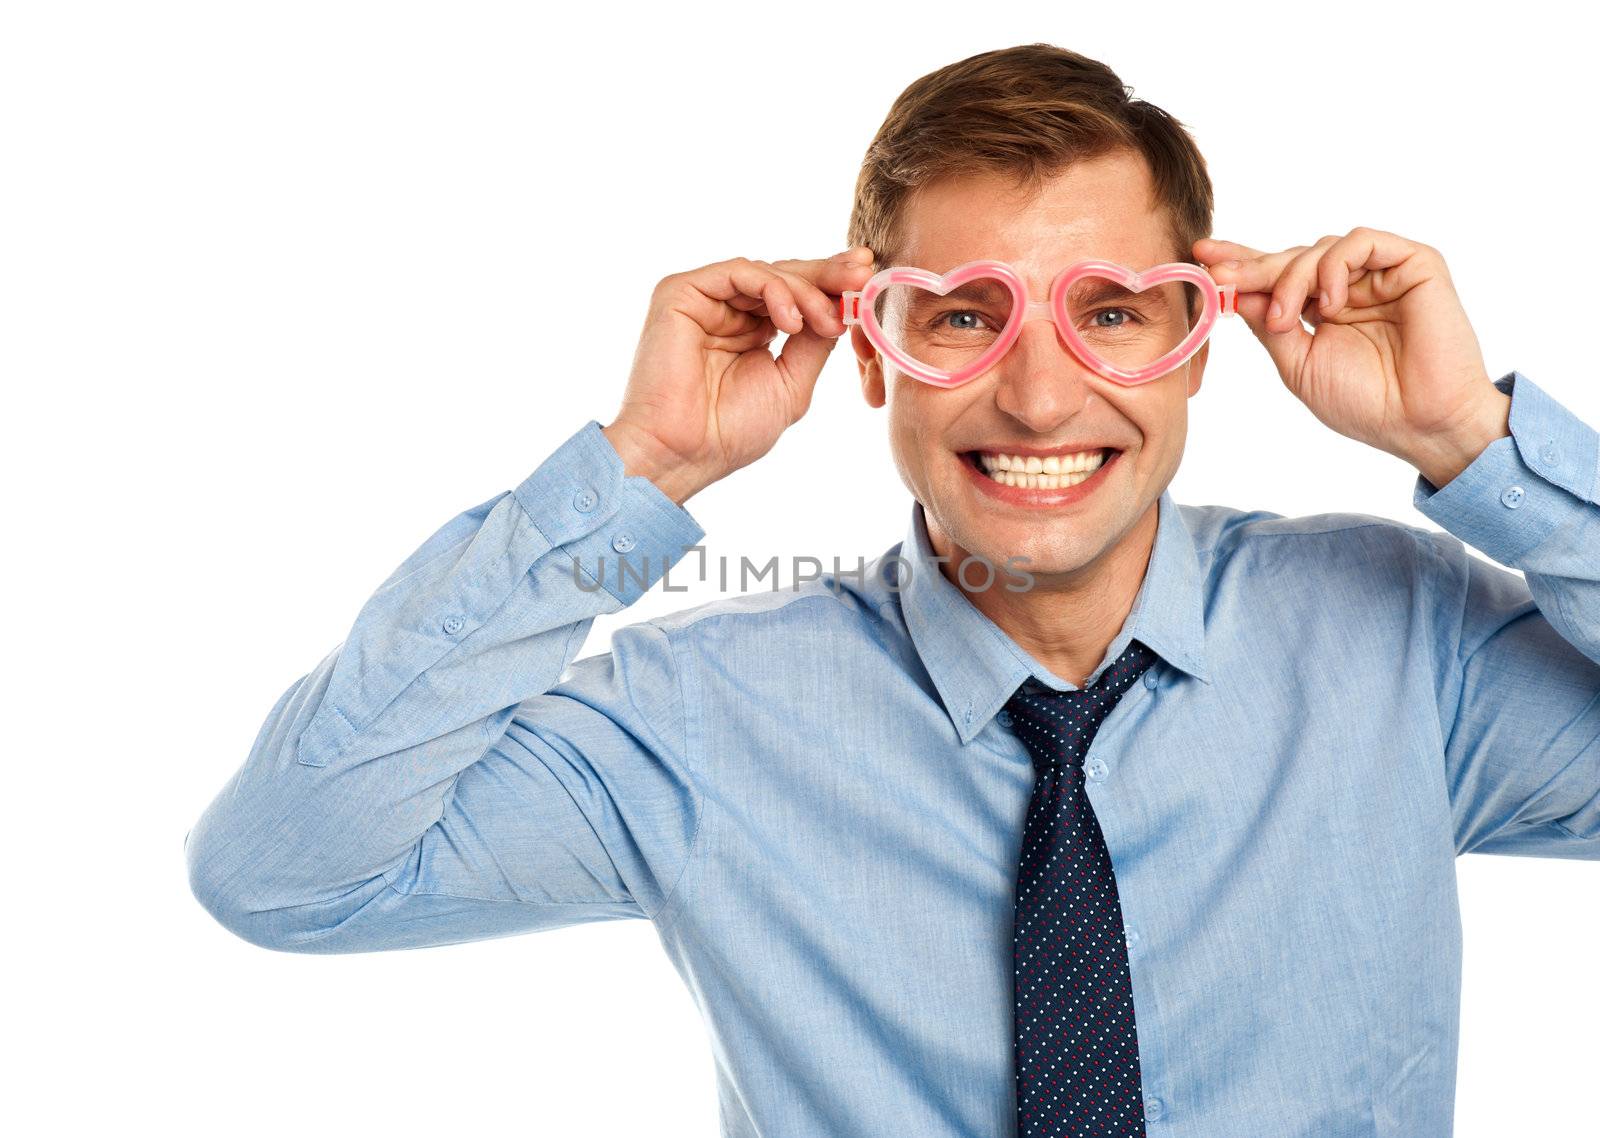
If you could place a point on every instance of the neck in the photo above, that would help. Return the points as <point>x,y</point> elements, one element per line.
<point>1066,621</point>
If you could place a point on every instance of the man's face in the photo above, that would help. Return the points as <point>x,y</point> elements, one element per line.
<point>1039,397</point>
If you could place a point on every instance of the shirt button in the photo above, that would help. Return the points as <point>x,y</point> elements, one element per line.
<point>1150,679</point>
<point>1551,453</point>
<point>454,624</point>
<point>1003,718</point>
<point>1095,769</point>
<point>1133,937</point>
<point>1154,1108</point>
<point>584,500</point>
<point>1512,498</point>
<point>622,543</point>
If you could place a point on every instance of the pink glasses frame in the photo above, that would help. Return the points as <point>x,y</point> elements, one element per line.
<point>857,307</point>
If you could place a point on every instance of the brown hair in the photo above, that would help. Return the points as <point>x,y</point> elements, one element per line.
<point>1028,111</point>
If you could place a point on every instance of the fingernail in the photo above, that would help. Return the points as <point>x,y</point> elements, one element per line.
<point>1228,265</point>
<point>793,313</point>
<point>1275,311</point>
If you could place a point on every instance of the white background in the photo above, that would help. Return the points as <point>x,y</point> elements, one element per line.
<point>287,286</point>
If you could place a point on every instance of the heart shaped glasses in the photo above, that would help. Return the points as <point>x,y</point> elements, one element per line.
<point>906,312</point>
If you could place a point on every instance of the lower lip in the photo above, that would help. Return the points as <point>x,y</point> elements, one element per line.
<point>1026,496</point>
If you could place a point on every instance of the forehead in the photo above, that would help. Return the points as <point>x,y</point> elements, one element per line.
<point>1103,207</point>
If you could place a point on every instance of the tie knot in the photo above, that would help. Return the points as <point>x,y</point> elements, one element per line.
<point>1058,725</point>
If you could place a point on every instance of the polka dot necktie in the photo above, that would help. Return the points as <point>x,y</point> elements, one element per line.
<point>1077,1052</point>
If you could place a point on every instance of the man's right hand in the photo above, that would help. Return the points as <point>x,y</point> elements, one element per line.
<point>705,396</point>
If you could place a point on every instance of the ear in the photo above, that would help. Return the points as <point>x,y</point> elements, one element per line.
<point>870,365</point>
<point>1197,367</point>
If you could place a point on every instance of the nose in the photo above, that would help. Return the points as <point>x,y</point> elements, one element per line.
<point>1042,383</point>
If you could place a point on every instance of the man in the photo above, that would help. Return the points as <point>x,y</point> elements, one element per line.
<point>1162,843</point>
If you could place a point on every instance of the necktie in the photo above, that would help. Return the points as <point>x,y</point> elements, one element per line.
<point>1077,1052</point>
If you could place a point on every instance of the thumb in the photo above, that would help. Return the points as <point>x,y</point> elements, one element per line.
<point>1288,348</point>
<point>804,353</point>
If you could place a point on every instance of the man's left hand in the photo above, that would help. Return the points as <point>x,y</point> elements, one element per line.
<point>1392,362</point>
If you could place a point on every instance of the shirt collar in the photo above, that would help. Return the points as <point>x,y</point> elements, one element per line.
<point>976,667</point>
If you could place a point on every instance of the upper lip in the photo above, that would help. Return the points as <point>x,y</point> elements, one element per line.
<point>1044,452</point>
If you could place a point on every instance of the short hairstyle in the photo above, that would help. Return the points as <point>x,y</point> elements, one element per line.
<point>1028,111</point>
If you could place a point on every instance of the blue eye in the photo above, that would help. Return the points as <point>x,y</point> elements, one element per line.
<point>1124,311</point>
<point>961,313</point>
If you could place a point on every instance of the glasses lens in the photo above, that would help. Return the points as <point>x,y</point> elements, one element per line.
<point>944,332</point>
<point>1132,330</point>
<point>1123,329</point>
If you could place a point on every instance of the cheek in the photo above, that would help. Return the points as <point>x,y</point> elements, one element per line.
<point>925,418</point>
<point>1159,416</point>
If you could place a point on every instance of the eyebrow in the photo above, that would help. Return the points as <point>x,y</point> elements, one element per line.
<point>1094,290</point>
<point>981,289</point>
<point>1089,290</point>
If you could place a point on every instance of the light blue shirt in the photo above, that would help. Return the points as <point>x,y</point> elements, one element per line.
<point>814,797</point>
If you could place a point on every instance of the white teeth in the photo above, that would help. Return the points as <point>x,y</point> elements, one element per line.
<point>1054,472</point>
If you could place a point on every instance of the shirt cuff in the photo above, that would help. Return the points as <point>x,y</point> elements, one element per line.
<point>1524,485</point>
<point>622,529</point>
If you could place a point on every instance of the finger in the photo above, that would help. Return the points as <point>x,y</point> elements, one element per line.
<point>785,303</point>
<point>821,310</point>
<point>741,332</point>
<point>748,328</point>
<point>759,336</point>
<point>1253,272</point>
<point>1287,348</point>
<point>819,284</point>
<point>801,360</point>
<point>723,295</point>
<point>1209,250</point>
<point>1294,285</point>
<point>750,287</point>
<point>1352,258</point>
<point>1247,276</point>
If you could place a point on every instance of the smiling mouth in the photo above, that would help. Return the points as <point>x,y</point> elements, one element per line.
<point>1035,473</point>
